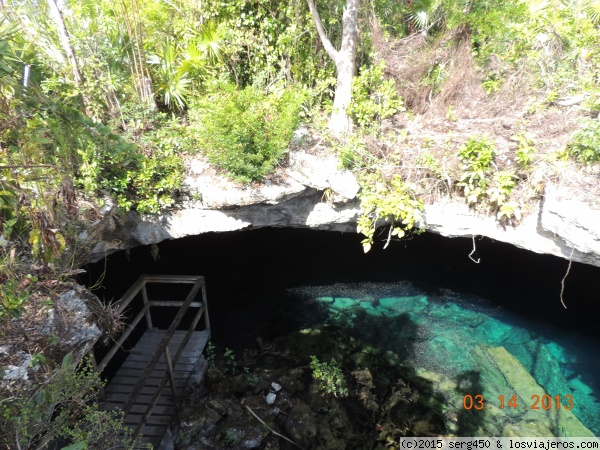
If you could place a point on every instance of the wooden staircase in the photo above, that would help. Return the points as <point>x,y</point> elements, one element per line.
<point>159,358</point>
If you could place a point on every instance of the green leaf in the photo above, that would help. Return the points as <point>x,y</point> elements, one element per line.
<point>40,397</point>
<point>67,360</point>
<point>5,67</point>
<point>77,446</point>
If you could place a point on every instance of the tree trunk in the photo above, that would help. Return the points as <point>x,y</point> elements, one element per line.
<point>65,41</point>
<point>339,122</point>
<point>345,63</point>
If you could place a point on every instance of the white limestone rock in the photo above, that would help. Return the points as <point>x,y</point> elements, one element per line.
<point>71,319</point>
<point>573,223</point>
<point>323,172</point>
<point>561,224</point>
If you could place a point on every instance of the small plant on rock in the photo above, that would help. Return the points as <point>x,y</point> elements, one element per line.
<point>229,438</point>
<point>503,183</point>
<point>585,143</point>
<point>526,150</point>
<point>210,354</point>
<point>476,156</point>
<point>329,377</point>
<point>230,362</point>
<point>251,377</point>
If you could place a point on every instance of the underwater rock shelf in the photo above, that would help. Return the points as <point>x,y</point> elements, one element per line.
<point>469,350</point>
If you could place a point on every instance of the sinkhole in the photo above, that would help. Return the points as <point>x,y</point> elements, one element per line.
<point>496,328</point>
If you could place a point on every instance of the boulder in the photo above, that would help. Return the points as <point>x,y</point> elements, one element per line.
<point>301,424</point>
<point>71,319</point>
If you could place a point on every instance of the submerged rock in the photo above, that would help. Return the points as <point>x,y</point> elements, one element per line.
<point>503,374</point>
<point>527,429</point>
<point>302,412</point>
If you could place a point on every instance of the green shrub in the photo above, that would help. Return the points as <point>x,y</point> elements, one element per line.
<point>484,184</point>
<point>329,377</point>
<point>393,201</point>
<point>373,97</point>
<point>585,143</point>
<point>13,297</point>
<point>64,405</point>
<point>139,172</point>
<point>143,180</point>
<point>476,156</point>
<point>246,132</point>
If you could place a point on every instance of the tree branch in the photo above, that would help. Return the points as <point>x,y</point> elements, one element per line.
<point>271,429</point>
<point>27,166</point>
<point>331,51</point>
<point>469,8</point>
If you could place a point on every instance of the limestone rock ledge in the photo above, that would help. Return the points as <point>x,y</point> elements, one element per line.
<point>314,193</point>
<point>561,224</point>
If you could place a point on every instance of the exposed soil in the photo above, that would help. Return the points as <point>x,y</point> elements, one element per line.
<point>441,118</point>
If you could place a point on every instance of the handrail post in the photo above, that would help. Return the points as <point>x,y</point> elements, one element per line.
<point>145,298</point>
<point>171,376</point>
<point>205,308</point>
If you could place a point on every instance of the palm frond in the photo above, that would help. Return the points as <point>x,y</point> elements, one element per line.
<point>425,13</point>
<point>594,11</point>
<point>210,40</point>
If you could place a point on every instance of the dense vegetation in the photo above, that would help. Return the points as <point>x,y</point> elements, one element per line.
<point>102,102</point>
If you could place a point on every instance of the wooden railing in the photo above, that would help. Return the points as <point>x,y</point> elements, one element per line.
<point>138,287</point>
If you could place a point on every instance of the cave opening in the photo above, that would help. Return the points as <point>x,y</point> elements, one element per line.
<point>267,261</point>
<point>270,282</point>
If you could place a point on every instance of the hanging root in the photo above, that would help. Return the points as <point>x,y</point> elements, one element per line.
<point>389,238</point>
<point>562,283</point>
<point>473,251</point>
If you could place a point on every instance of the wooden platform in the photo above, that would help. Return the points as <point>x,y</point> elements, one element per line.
<point>119,388</point>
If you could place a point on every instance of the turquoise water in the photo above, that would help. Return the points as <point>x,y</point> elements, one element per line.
<point>466,346</point>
